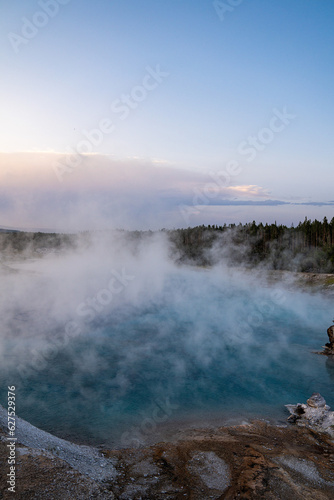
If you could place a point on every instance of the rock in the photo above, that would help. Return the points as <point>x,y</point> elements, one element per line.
<point>330,333</point>
<point>316,401</point>
<point>212,471</point>
<point>329,346</point>
<point>315,414</point>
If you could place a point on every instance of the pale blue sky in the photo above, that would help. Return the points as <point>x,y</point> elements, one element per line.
<point>226,78</point>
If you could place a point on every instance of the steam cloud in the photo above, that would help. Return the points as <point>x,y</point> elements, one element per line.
<point>114,328</point>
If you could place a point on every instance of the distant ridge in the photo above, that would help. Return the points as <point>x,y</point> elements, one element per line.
<point>5,229</point>
<point>8,230</point>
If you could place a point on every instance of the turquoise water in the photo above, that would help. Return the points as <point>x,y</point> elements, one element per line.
<point>205,346</point>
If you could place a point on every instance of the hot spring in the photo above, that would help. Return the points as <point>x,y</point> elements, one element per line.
<point>182,346</point>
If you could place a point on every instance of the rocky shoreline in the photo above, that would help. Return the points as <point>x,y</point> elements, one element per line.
<point>253,461</point>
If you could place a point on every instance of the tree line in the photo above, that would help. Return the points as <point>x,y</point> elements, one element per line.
<point>308,247</point>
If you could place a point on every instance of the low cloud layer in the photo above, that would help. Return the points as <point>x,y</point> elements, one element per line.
<point>58,191</point>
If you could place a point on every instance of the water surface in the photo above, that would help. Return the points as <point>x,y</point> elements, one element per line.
<point>206,347</point>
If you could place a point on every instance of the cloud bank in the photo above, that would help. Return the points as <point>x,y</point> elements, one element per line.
<point>41,190</point>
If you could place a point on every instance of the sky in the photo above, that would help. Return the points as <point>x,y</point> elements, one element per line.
<point>149,114</point>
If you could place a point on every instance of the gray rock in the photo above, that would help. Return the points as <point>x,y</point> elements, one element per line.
<point>316,401</point>
<point>315,414</point>
<point>330,333</point>
<point>212,470</point>
<point>329,347</point>
<point>85,459</point>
